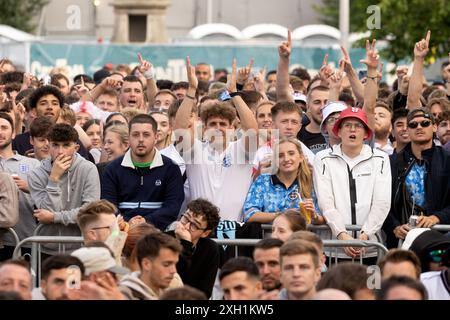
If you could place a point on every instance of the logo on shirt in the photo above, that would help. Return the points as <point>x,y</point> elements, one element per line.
<point>293,196</point>
<point>226,161</point>
<point>23,168</point>
<point>158,182</point>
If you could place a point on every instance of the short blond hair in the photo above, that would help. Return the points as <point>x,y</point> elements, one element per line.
<point>90,212</point>
<point>296,247</point>
<point>68,115</point>
<point>129,113</point>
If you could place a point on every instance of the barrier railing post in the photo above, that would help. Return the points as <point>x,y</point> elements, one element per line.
<point>36,242</point>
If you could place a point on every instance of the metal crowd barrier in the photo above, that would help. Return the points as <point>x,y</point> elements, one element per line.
<point>36,241</point>
<point>441,227</point>
<point>13,233</point>
<point>381,249</point>
<point>316,227</point>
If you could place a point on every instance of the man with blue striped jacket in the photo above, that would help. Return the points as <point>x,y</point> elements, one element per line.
<point>143,182</point>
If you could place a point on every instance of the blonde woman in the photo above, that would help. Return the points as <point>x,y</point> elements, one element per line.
<point>291,185</point>
<point>164,132</point>
<point>115,142</point>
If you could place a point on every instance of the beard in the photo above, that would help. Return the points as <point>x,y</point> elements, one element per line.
<point>5,144</point>
<point>317,120</point>
<point>381,133</point>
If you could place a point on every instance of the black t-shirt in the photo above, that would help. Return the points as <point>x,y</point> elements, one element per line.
<point>314,141</point>
<point>198,265</point>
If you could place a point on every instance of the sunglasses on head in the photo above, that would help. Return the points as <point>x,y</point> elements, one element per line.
<point>423,124</point>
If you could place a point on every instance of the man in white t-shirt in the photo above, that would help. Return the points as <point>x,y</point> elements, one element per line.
<point>218,169</point>
<point>286,122</point>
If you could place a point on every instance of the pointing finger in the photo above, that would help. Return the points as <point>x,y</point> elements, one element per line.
<point>250,66</point>
<point>188,61</point>
<point>344,52</point>
<point>325,60</point>
<point>428,37</point>
<point>233,67</point>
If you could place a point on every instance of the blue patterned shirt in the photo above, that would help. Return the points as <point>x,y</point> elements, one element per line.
<point>268,194</point>
<point>415,182</point>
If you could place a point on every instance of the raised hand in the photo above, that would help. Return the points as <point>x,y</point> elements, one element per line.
<point>372,57</point>
<point>259,80</point>
<point>380,72</point>
<point>325,71</point>
<point>244,73</point>
<point>110,83</point>
<point>422,47</point>
<point>336,79</point>
<point>345,60</point>
<point>190,71</point>
<point>231,78</point>
<point>145,67</point>
<point>401,71</point>
<point>81,88</point>
<point>284,50</point>
<point>27,79</point>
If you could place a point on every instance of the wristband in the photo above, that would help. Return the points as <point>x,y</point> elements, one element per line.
<point>149,74</point>
<point>189,97</point>
<point>235,94</point>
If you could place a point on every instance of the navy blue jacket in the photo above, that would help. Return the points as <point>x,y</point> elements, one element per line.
<point>156,193</point>
<point>437,187</point>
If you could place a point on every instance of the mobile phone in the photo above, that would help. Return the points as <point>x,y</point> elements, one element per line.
<point>362,74</point>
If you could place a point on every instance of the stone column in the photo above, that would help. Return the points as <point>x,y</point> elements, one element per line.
<point>120,27</point>
<point>155,10</point>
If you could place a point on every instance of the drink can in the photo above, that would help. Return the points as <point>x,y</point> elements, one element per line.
<point>413,221</point>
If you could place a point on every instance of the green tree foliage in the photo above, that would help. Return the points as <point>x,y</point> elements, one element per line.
<point>403,23</point>
<point>21,14</point>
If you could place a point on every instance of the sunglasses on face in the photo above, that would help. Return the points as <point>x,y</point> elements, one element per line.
<point>436,255</point>
<point>423,124</point>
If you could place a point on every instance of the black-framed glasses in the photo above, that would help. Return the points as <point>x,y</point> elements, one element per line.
<point>192,225</point>
<point>415,124</point>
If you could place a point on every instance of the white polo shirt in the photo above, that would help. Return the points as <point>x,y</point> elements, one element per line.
<point>222,178</point>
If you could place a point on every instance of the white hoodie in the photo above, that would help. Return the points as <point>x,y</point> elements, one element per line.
<point>367,177</point>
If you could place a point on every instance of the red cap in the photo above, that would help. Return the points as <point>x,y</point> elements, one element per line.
<point>356,113</point>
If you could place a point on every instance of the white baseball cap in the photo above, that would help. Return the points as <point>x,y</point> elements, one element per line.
<point>96,259</point>
<point>331,107</point>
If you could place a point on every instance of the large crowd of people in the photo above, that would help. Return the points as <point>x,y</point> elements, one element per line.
<point>149,171</point>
